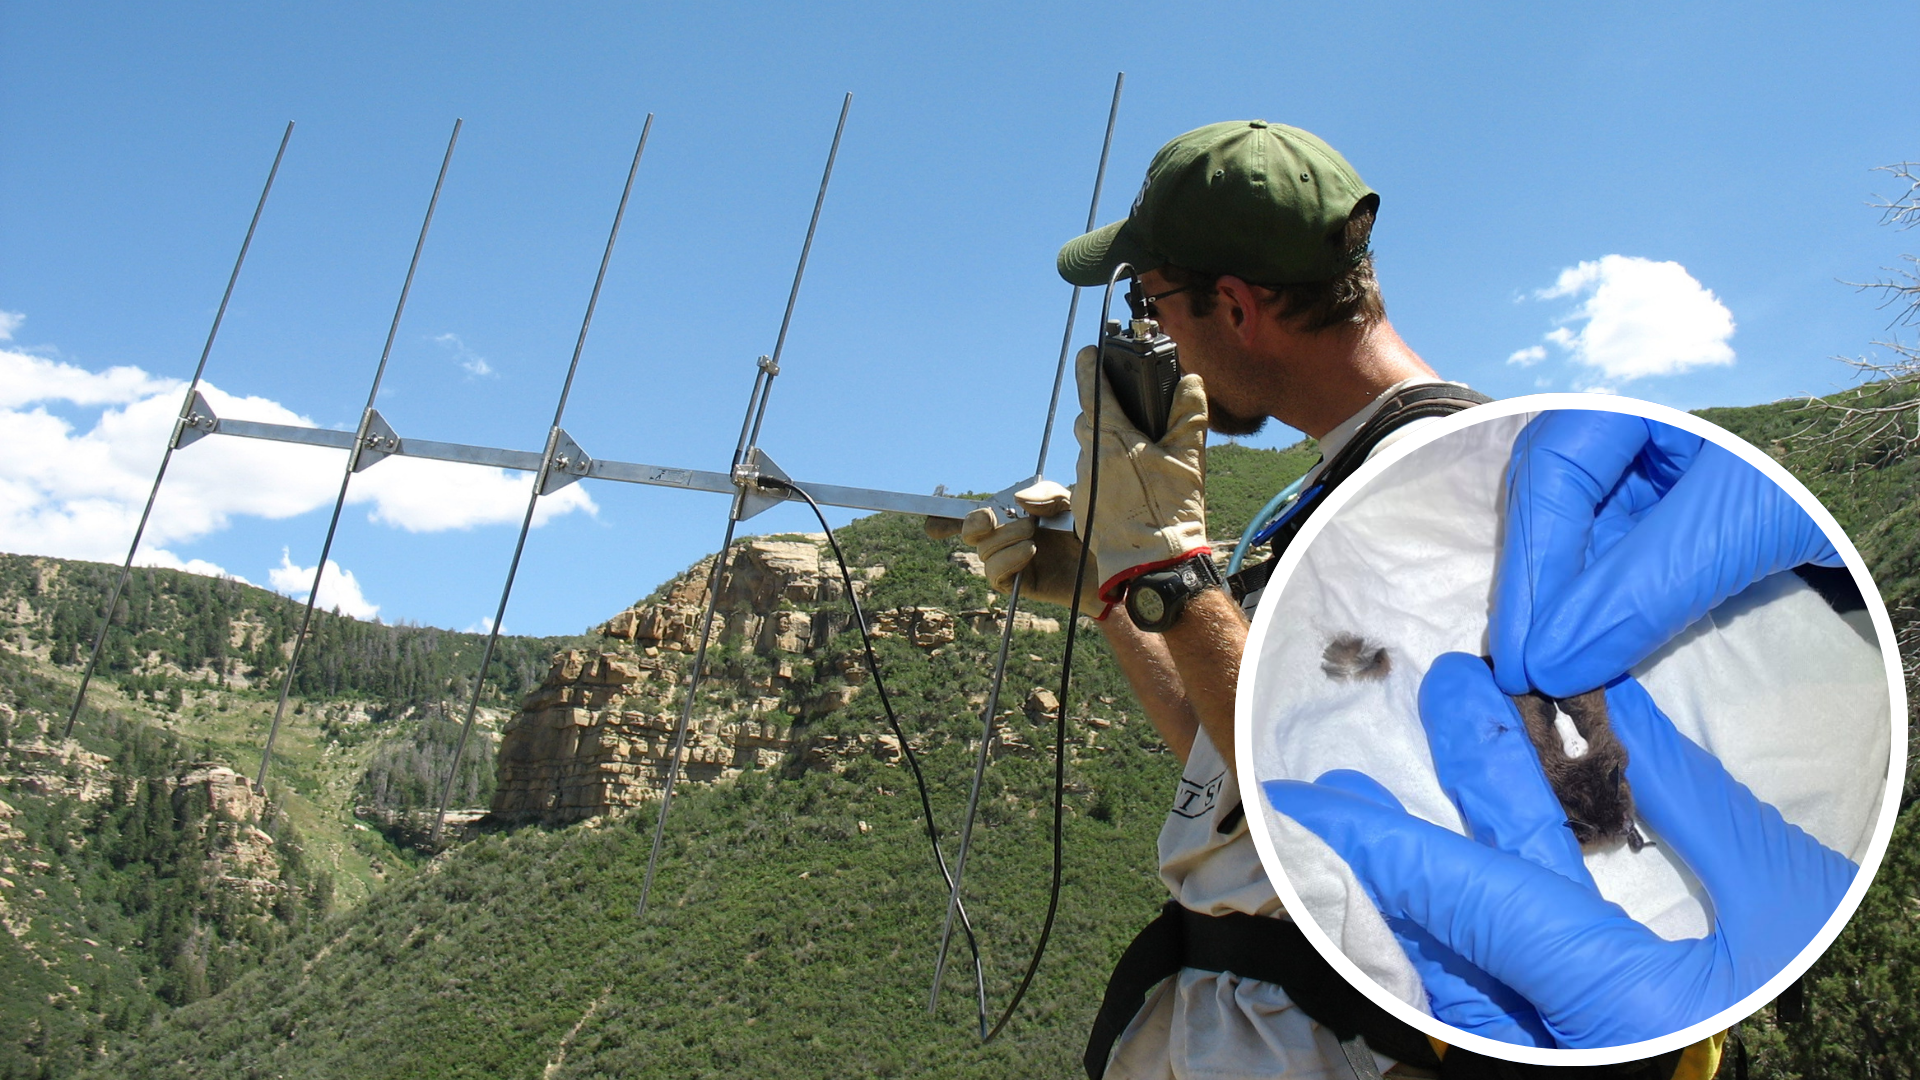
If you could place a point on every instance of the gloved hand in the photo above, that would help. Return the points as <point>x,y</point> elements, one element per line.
<point>1620,532</point>
<point>1150,509</point>
<point>1457,992</point>
<point>1514,900</point>
<point>1049,557</point>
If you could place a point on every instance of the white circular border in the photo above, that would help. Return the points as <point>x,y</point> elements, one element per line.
<point>1252,796</point>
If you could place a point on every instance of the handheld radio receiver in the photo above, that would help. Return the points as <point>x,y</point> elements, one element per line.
<point>1143,366</point>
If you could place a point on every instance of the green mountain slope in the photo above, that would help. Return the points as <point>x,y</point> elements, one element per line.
<point>124,892</point>
<point>850,841</point>
<point>792,934</point>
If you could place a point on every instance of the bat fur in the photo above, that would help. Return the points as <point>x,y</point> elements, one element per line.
<point>1350,656</point>
<point>1592,788</point>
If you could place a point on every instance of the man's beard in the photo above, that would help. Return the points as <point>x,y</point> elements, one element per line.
<point>1227,422</point>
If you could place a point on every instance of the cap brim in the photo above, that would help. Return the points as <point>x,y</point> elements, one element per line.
<point>1090,260</point>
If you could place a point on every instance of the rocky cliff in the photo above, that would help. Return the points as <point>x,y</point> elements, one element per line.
<point>206,798</point>
<point>597,736</point>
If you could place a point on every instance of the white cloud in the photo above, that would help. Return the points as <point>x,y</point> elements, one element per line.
<point>485,626</point>
<point>9,322</point>
<point>168,560</point>
<point>1637,318</point>
<point>25,380</point>
<point>339,590</point>
<point>433,496</point>
<point>75,489</point>
<point>471,362</point>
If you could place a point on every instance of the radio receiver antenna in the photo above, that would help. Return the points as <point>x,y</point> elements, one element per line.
<point>745,475</point>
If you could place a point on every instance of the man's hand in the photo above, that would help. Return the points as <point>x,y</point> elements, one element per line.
<point>1622,531</point>
<point>1050,558</point>
<point>1150,508</point>
<point>1514,900</point>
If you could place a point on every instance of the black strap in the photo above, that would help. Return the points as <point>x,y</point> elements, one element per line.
<point>1155,953</point>
<point>1791,1006</point>
<point>1400,408</point>
<point>1275,951</point>
<point>1252,947</point>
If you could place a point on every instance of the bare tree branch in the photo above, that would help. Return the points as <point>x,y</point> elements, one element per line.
<point>1902,288</point>
<point>1869,426</point>
<point>1903,210</point>
<point>1876,424</point>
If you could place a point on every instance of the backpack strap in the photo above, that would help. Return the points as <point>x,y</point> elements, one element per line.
<point>1399,409</point>
<point>1253,947</point>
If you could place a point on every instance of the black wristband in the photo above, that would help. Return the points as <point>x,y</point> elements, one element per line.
<point>1156,599</point>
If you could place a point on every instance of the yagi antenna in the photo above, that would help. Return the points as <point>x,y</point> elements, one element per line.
<point>753,481</point>
<point>373,432</point>
<point>560,463</point>
<point>174,440</point>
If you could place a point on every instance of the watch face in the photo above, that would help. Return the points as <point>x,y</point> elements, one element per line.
<point>1148,604</point>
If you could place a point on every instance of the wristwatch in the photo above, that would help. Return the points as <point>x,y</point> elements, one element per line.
<point>1155,599</point>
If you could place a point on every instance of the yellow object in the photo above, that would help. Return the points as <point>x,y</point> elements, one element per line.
<point>1699,1061</point>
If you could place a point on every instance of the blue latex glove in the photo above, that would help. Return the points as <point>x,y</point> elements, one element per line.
<point>1620,533</point>
<point>1515,901</point>
<point>1457,992</point>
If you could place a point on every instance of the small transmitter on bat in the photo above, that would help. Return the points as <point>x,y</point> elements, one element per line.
<point>1143,367</point>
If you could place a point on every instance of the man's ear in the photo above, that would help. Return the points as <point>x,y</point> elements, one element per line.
<point>1242,307</point>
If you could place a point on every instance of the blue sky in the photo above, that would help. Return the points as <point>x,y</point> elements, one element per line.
<point>1540,167</point>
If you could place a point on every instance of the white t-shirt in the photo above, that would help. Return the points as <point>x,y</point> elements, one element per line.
<point>1207,1025</point>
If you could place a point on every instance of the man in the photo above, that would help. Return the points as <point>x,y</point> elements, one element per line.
<point>1248,244</point>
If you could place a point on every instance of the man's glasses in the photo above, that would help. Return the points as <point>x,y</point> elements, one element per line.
<point>1141,304</point>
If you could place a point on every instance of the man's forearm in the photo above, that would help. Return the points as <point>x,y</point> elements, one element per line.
<point>1150,670</point>
<point>1205,646</point>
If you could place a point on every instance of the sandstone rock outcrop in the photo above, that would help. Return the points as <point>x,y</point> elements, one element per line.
<point>926,627</point>
<point>586,743</point>
<point>1041,704</point>
<point>39,764</point>
<point>227,791</point>
<point>597,736</point>
<point>242,853</point>
<point>993,620</point>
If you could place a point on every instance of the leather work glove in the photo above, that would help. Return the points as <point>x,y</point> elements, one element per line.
<point>1049,557</point>
<point>1512,907</point>
<point>1621,531</point>
<point>1149,509</point>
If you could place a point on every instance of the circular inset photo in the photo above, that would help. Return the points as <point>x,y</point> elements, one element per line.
<point>1572,729</point>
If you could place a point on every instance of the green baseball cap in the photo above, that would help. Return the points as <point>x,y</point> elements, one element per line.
<point>1265,202</point>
